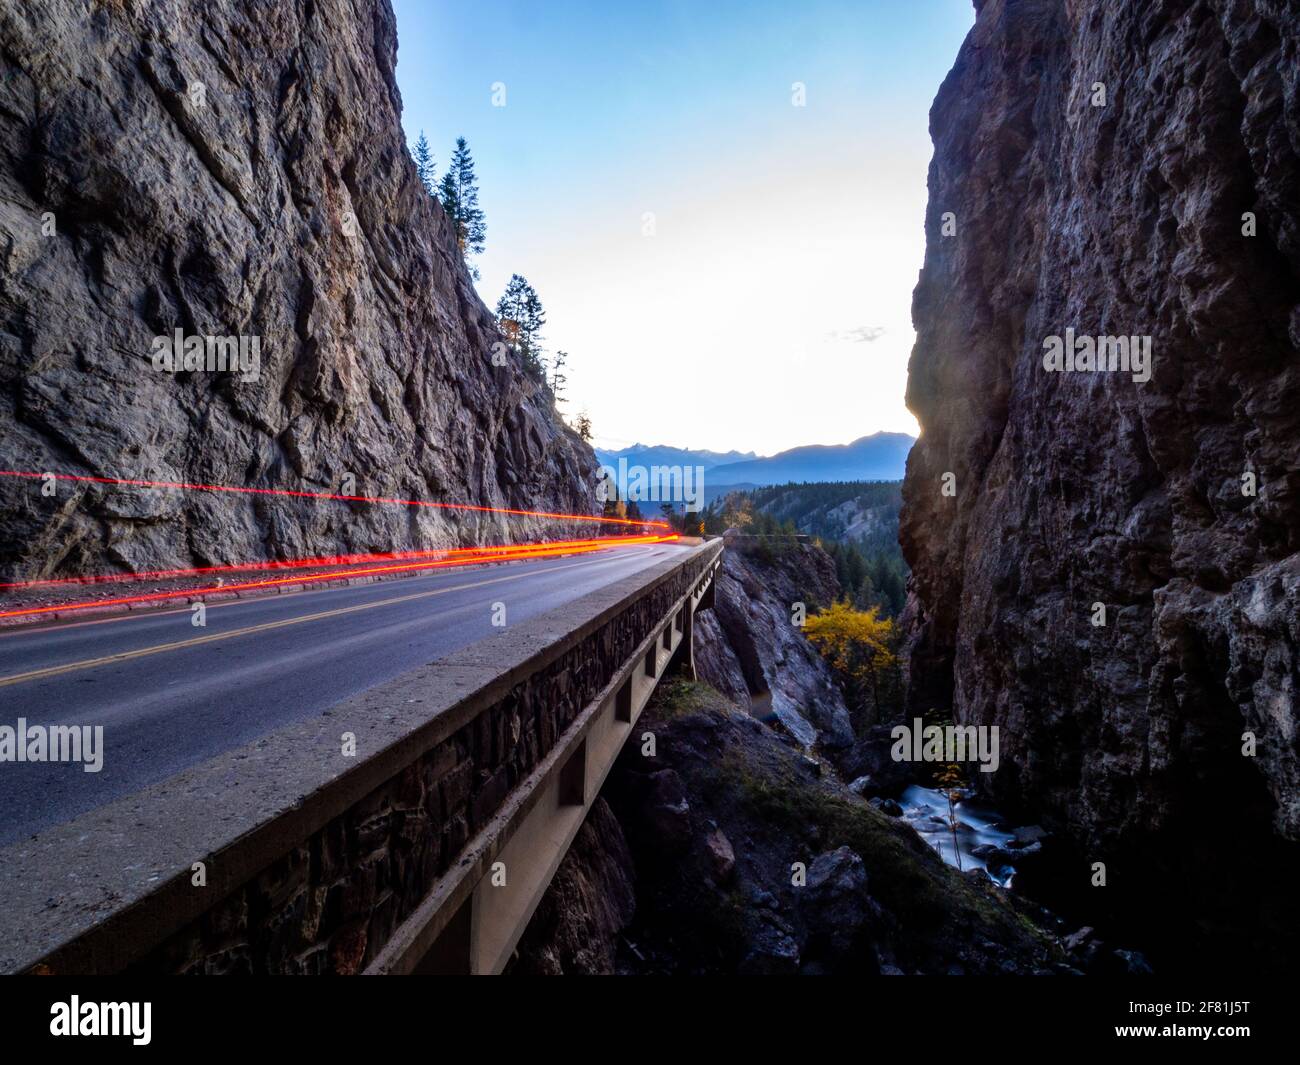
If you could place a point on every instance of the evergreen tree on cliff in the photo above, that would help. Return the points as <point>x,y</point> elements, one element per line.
<point>459,195</point>
<point>521,318</point>
<point>559,379</point>
<point>424,164</point>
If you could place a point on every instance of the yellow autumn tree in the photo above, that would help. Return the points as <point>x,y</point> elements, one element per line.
<point>857,645</point>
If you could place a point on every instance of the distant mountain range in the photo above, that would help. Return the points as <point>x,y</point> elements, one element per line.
<point>879,457</point>
<point>662,455</point>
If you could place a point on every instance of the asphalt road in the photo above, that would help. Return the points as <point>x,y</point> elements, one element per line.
<point>187,694</point>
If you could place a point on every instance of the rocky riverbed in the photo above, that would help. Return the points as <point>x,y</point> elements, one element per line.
<point>971,835</point>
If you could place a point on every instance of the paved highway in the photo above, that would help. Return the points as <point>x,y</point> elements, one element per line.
<point>170,695</point>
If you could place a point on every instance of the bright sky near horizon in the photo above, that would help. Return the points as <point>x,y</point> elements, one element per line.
<point>724,268</point>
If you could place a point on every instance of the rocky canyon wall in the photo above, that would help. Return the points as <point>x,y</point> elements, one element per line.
<point>238,169</point>
<point>1126,168</point>
<point>748,648</point>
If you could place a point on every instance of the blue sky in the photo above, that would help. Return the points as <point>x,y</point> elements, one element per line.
<point>709,254</point>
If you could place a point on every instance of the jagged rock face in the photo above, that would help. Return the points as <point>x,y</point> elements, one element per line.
<point>1073,489</point>
<point>239,169</point>
<point>749,648</point>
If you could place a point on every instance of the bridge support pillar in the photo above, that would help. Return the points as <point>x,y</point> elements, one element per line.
<point>684,657</point>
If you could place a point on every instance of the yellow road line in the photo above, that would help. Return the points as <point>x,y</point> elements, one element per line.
<point>123,656</point>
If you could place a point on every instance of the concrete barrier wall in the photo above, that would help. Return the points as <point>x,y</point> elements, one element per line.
<point>431,853</point>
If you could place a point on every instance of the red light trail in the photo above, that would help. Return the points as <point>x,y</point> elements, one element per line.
<point>330,495</point>
<point>405,561</point>
<point>489,554</point>
<point>312,563</point>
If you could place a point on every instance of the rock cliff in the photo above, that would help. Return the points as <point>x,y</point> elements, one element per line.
<point>748,647</point>
<point>1107,568</point>
<point>238,169</point>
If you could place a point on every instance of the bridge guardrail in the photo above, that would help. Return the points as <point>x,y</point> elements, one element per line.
<point>314,863</point>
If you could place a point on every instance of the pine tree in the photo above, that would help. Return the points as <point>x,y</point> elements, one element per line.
<point>424,164</point>
<point>533,320</point>
<point>521,318</point>
<point>459,194</point>
<point>558,378</point>
<point>614,507</point>
<point>584,426</point>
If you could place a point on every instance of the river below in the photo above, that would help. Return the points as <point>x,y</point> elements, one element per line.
<point>984,839</point>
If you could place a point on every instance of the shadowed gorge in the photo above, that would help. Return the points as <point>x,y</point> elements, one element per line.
<point>559,487</point>
<point>1170,212</point>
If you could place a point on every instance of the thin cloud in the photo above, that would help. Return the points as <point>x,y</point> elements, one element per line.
<point>863,334</point>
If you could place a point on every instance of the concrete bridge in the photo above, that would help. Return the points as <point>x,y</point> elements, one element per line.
<point>425,851</point>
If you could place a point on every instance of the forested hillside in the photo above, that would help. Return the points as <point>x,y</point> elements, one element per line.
<point>856,523</point>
